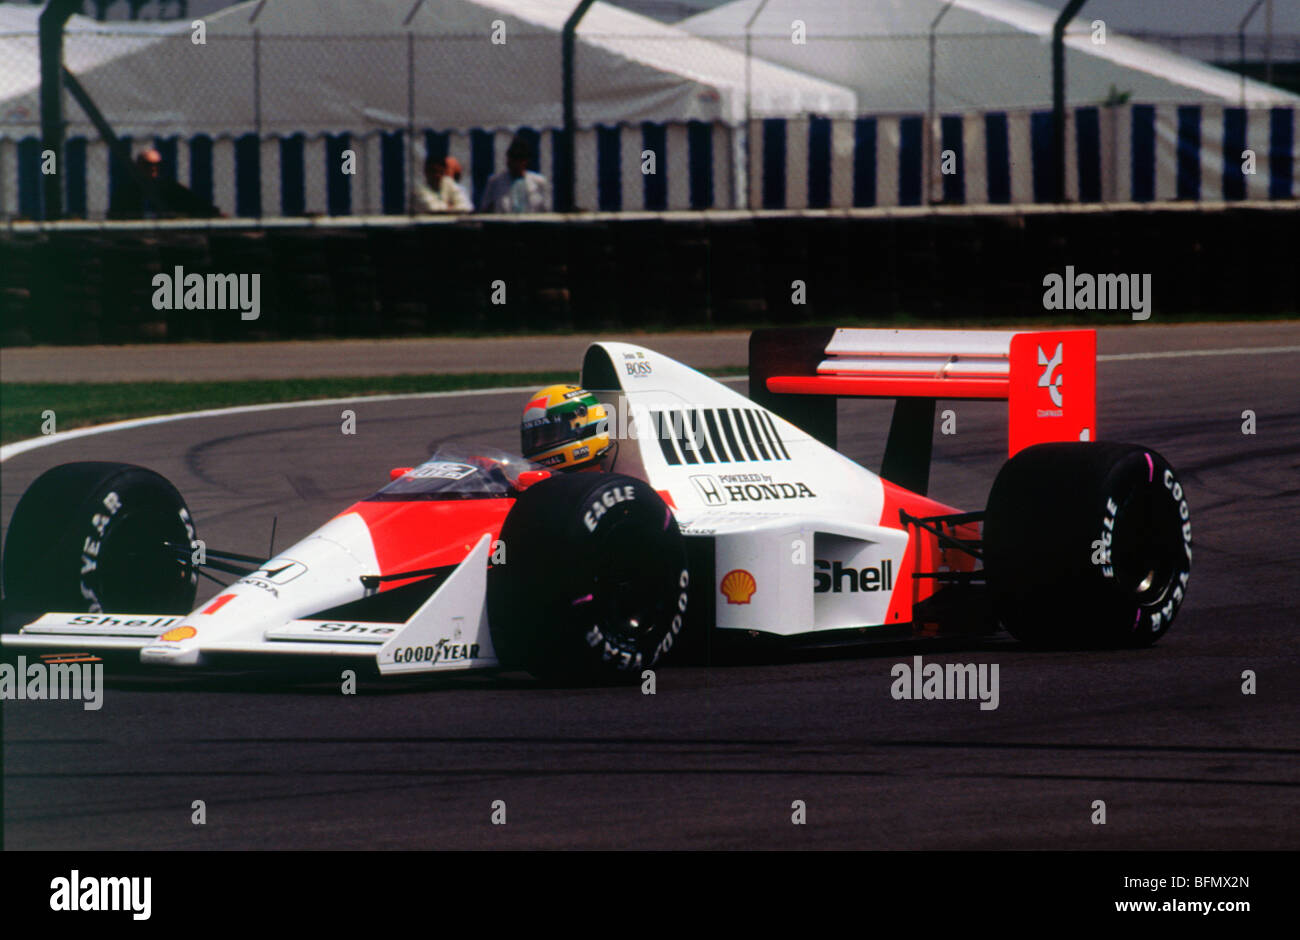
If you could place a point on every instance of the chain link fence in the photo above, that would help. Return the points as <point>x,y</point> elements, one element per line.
<point>263,123</point>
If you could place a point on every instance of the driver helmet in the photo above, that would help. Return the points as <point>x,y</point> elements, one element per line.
<point>564,428</point>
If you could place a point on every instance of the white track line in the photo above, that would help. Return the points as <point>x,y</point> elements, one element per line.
<point>1189,353</point>
<point>22,447</point>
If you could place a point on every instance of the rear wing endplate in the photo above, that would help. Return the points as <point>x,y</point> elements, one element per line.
<point>1047,378</point>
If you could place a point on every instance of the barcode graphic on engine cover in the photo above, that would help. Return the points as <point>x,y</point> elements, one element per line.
<point>717,435</point>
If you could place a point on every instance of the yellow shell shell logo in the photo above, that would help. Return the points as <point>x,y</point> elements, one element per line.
<point>176,634</point>
<point>738,586</point>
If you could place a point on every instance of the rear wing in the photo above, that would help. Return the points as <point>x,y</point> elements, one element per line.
<point>1048,379</point>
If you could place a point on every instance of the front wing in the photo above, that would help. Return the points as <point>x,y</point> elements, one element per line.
<point>448,632</point>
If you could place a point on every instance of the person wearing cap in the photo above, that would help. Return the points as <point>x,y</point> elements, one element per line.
<point>516,188</point>
<point>439,192</point>
<point>160,198</point>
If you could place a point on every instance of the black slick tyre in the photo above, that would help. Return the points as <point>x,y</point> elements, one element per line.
<point>594,584</point>
<point>93,537</point>
<point>1087,545</point>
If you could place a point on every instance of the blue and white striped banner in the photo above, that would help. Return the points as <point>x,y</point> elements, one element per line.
<point>302,174</point>
<point>1137,153</point>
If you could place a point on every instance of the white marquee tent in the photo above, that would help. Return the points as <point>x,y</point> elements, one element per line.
<point>989,54</point>
<point>356,65</point>
<point>1190,17</point>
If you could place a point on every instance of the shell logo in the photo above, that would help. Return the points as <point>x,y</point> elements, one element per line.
<point>738,586</point>
<point>176,634</point>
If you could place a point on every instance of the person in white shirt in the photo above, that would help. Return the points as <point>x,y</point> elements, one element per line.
<point>517,188</point>
<point>439,192</point>
<point>456,193</point>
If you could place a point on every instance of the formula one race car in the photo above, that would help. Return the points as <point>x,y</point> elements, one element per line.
<point>721,512</point>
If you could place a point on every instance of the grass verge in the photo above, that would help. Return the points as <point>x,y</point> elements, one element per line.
<point>79,404</point>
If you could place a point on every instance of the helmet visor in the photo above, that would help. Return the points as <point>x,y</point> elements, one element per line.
<point>546,433</point>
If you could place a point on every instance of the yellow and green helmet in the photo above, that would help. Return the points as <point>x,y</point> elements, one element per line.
<point>564,427</point>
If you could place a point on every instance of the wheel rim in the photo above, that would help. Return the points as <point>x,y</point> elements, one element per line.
<point>1147,543</point>
<point>627,591</point>
<point>137,573</point>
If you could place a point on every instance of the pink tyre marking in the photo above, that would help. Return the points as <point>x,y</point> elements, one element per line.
<point>582,600</point>
<point>1151,468</point>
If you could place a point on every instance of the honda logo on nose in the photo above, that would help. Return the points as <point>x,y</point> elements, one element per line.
<point>1045,380</point>
<point>709,490</point>
<point>280,572</point>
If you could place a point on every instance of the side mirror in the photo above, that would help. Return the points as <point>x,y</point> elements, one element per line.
<point>531,478</point>
<point>399,472</point>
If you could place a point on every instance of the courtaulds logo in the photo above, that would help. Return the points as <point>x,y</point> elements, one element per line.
<point>1046,379</point>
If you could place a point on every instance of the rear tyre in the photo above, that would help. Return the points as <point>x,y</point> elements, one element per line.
<point>92,537</point>
<point>1087,544</point>
<point>594,585</point>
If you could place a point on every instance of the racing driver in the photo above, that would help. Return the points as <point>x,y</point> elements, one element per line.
<point>565,428</point>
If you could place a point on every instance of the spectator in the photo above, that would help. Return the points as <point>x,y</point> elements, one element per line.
<point>439,191</point>
<point>517,188</point>
<point>160,198</point>
<point>453,182</point>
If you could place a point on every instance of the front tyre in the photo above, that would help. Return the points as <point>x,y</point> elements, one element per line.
<point>1087,544</point>
<point>92,537</point>
<point>594,583</point>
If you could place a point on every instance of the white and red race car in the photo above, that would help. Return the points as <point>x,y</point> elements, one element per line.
<point>721,513</point>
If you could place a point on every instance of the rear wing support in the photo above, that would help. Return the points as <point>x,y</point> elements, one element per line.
<point>1047,378</point>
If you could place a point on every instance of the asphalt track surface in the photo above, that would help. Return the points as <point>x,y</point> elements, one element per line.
<point>1182,759</point>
